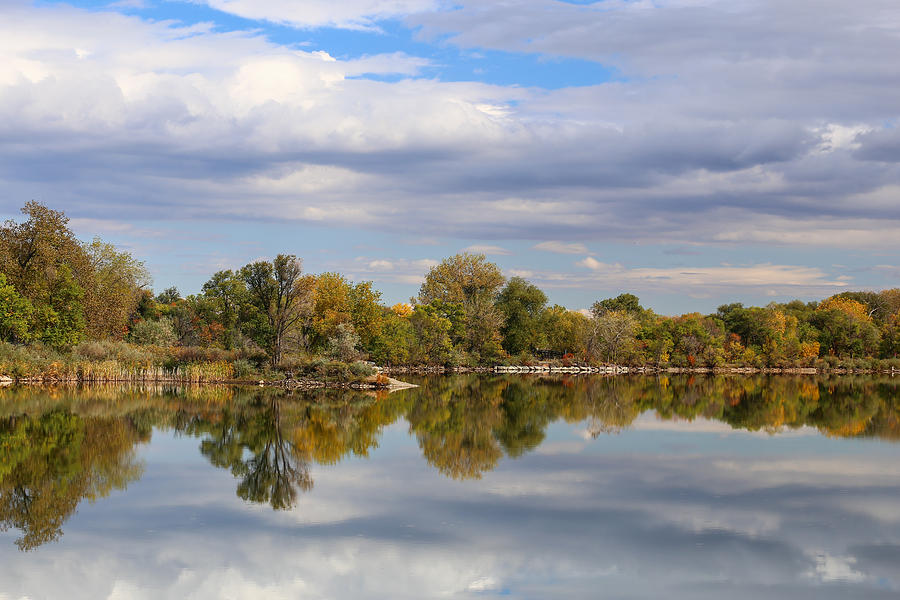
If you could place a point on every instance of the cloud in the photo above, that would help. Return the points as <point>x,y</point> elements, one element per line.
<point>562,247</point>
<point>390,270</point>
<point>728,124</point>
<point>309,14</point>
<point>591,263</point>
<point>487,249</point>
<point>700,282</point>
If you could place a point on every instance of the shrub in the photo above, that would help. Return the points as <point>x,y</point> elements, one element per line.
<point>344,343</point>
<point>155,333</point>
<point>361,369</point>
<point>243,368</point>
<point>91,351</point>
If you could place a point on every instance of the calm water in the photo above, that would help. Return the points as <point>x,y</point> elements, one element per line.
<point>465,487</point>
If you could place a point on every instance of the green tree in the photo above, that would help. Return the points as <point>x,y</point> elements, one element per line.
<point>15,314</point>
<point>628,303</point>
<point>227,295</point>
<point>32,251</point>
<point>170,295</point>
<point>366,313</point>
<point>474,283</point>
<point>522,305</point>
<point>282,297</point>
<point>156,333</point>
<point>60,321</point>
<point>566,331</point>
<point>432,334</point>
<point>394,346</point>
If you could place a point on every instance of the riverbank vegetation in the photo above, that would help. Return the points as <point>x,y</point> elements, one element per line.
<point>85,310</point>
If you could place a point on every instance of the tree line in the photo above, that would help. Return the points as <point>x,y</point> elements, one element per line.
<point>59,292</point>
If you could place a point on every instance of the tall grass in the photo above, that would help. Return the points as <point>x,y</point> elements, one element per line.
<point>98,362</point>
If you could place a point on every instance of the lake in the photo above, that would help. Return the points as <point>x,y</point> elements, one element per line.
<point>466,487</point>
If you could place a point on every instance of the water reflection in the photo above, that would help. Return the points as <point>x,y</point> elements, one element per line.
<point>59,447</point>
<point>52,461</point>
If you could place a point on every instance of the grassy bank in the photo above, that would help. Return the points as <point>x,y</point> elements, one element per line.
<point>108,361</point>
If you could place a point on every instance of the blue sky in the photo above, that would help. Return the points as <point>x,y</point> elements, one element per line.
<point>693,152</point>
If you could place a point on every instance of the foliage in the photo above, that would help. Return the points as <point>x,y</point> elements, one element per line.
<point>15,314</point>
<point>471,282</point>
<point>521,304</point>
<point>283,298</point>
<point>156,333</point>
<point>56,292</point>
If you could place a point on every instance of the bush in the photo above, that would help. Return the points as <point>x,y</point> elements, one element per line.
<point>91,351</point>
<point>155,333</point>
<point>293,364</point>
<point>343,345</point>
<point>243,368</point>
<point>333,370</point>
<point>362,369</point>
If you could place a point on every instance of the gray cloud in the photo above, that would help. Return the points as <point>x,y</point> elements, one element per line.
<point>748,122</point>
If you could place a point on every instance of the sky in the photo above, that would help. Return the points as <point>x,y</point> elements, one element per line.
<point>693,152</point>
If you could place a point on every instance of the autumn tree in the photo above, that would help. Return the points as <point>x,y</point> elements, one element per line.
<point>474,283</point>
<point>566,331</point>
<point>846,327</point>
<point>615,334</point>
<point>283,298</point>
<point>114,289</point>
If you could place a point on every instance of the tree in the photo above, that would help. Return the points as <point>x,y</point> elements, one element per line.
<point>116,283</point>
<point>473,283</point>
<point>344,344</point>
<point>170,295</point>
<point>615,334</point>
<point>521,304</point>
<point>628,303</point>
<point>60,321</point>
<point>15,313</point>
<point>366,313</point>
<point>282,296</point>
<point>432,331</point>
<point>332,306</point>
<point>32,251</point>
<point>227,294</point>
<point>394,346</point>
<point>566,331</point>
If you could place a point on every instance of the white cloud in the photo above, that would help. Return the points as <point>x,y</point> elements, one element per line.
<point>753,276</point>
<point>487,249</point>
<point>381,265</point>
<point>562,247</point>
<point>836,568</point>
<point>307,14</point>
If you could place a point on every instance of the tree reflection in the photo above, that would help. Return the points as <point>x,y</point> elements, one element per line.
<point>270,439</point>
<point>61,446</point>
<point>48,465</point>
<point>255,444</point>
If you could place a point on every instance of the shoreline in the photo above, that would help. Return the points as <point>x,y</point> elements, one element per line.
<point>624,370</point>
<point>371,384</point>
